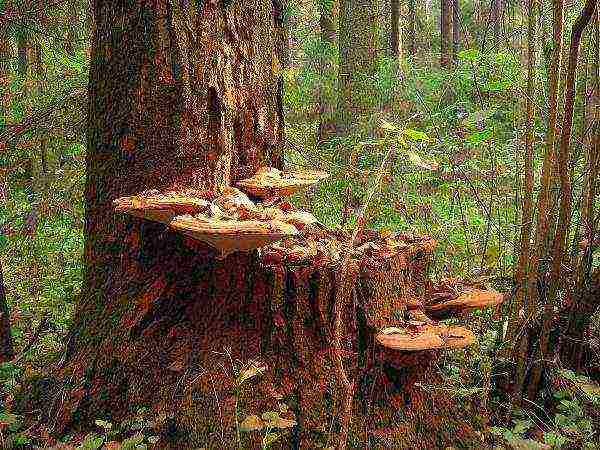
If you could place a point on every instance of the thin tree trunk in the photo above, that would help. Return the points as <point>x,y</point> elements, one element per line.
<point>527,207</point>
<point>445,33</point>
<point>412,28</point>
<point>559,255</point>
<point>580,315</point>
<point>532,295</point>
<point>22,62</point>
<point>6,345</point>
<point>327,35</point>
<point>455,29</point>
<point>395,30</point>
<point>72,27</point>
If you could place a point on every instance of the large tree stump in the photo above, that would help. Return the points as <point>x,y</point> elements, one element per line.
<point>178,308</point>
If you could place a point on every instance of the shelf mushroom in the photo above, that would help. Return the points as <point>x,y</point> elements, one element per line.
<point>228,236</point>
<point>269,182</point>
<point>425,337</point>
<point>465,302</point>
<point>230,222</point>
<point>160,208</point>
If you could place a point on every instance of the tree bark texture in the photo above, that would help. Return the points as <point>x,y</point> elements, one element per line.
<point>395,30</point>
<point>412,27</point>
<point>445,32</point>
<point>187,97</point>
<point>455,29</point>
<point>358,50</point>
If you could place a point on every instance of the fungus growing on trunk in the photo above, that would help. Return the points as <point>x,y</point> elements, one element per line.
<point>269,182</point>
<point>424,336</point>
<point>228,236</point>
<point>466,301</point>
<point>160,207</point>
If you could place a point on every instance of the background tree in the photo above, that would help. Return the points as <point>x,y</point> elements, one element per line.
<point>445,32</point>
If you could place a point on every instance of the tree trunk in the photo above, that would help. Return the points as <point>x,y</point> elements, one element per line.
<point>496,19</point>
<point>193,102</point>
<point>412,27</point>
<point>22,62</point>
<point>6,345</point>
<point>357,42</point>
<point>395,30</point>
<point>5,52</point>
<point>72,27</point>
<point>455,29</point>
<point>327,27</point>
<point>445,33</point>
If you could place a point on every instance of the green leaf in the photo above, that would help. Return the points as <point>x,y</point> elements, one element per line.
<point>387,125</point>
<point>420,162</point>
<point>416,135</point>
<point>479,137</point>
<point>555,439</point>
<point>521,426</point>
<point>133,442</point>
<point>92,442</point>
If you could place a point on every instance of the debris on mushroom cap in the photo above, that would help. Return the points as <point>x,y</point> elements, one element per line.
<point>465,302</point>
<point>160,207</point>
<point>300,218</point>
<point>425,337</point>
<point>232,199</point>
<point>232,235</point>
<point>269,182</point>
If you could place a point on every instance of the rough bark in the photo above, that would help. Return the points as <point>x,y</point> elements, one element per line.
<point>6,346</point>
<point>357,46</point>
<point>395,30</point>
<point>182,97</point>
<point>455,29</point>
<point>327,35</point>
<point>412,28</point>
<point>22,60</point>
<point>445,32</point>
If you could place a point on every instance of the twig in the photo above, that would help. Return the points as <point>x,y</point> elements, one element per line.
<point>36,336</point>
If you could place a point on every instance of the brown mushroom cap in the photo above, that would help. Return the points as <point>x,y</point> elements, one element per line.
<point>425,337</point>
<point>269,182</point>
<point>232,235</point>
<point>160,208</point>
<point>465,302</point>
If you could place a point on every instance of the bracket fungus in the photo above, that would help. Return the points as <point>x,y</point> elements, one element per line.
<point>228,236</point>
<point>465,302</point>
<point>424,336</point>
<point>160,207</point>
<point>269,182</point>
<point>228,222</point>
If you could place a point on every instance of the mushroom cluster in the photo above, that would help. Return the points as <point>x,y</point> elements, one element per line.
<point>229,221</point>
